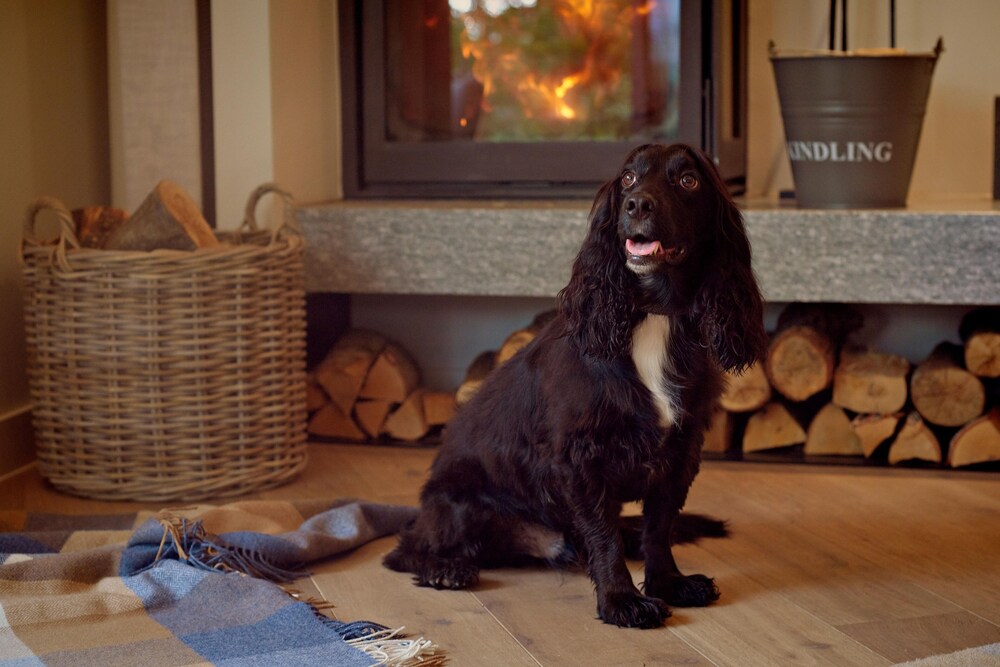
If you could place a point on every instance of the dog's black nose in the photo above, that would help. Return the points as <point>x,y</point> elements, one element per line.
<point>639,206</point>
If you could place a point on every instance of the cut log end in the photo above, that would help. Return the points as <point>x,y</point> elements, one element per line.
<point>770,428</point>
<point>978,442</point>
<point>330,422</point>
<point>481,366</point>
<point>167,219</point>
<point>980,332</point>
<point>801,356</point>
<point>982,354</point>
<point>371,414</point>
<point>343,370</point>
<point>830,433</point>
<point>747,391</point>
<point>719,436</point>
<point>874,430</point>
<point>800,362</point>
<point>871,382</point>
<point>315,396</point>
<point>439,407</point>
<point>915,442</point>
<point>393,376</point>
<point>944,393</point>
<point>408,422</point>
<point>513,344</point>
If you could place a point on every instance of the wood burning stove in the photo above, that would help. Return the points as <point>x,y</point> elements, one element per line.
<point>534,98</point>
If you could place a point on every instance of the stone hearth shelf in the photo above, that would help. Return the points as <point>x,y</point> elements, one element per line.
<point>924,254</point>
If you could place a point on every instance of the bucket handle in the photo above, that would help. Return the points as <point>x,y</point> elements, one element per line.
<point>288,223</point>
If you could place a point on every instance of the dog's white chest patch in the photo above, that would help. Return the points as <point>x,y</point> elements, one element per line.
<point>650,341</point>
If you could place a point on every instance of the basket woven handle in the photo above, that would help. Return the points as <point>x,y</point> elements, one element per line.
<point>67,231</point>
<point>288,222</point>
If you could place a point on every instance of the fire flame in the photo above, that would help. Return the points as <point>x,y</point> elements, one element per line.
<point>594,39</point>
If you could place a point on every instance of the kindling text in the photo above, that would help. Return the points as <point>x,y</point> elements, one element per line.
<point>835,151</point>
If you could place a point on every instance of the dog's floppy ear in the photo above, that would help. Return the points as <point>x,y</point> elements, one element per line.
<point>597,302</point>
<point>730,304</point>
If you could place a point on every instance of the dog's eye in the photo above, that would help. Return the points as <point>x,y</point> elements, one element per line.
<point>689,181</point>
<point>628,179</point>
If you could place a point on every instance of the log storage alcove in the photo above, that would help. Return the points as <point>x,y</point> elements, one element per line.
<point>802,257</point>
<point>368,388</point>
<point>823,397</point>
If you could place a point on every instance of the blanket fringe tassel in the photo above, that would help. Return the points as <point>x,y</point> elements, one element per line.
<point>384,645</point>
<point>390,648</point>
<point>189,542</point>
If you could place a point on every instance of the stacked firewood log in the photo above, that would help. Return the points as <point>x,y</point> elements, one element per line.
<point>368,388</point>
<point>485,362</point>
<point>818,392</point>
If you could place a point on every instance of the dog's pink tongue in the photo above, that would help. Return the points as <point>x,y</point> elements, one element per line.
<point>641,249</point>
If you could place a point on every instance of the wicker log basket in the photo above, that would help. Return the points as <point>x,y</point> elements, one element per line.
<point>167,374</point>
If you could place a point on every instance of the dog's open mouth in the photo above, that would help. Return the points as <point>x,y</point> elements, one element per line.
<point>643,254</point>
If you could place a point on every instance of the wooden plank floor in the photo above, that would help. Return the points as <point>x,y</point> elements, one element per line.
<point>826,565</point>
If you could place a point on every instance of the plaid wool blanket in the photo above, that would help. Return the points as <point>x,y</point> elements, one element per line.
<point>196,586</point>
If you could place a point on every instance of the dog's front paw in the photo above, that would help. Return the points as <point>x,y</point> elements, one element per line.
<point>695,590</point>
<point>632,610</point>
<point>447,574</point>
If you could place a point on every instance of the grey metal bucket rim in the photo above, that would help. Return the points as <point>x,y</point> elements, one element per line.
<point>858,54</point>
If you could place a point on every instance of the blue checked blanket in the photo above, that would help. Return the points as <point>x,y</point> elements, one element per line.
<point>197,586</point>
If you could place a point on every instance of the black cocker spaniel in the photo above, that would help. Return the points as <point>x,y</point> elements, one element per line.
<point>608,404</point>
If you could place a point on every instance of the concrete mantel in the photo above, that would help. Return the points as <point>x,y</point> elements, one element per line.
<point>947,253</point>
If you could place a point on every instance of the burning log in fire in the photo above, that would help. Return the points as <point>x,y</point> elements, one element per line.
<point>554,69</point>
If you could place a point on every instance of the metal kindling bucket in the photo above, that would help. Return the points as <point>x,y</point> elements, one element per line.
<point>852,123</point>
